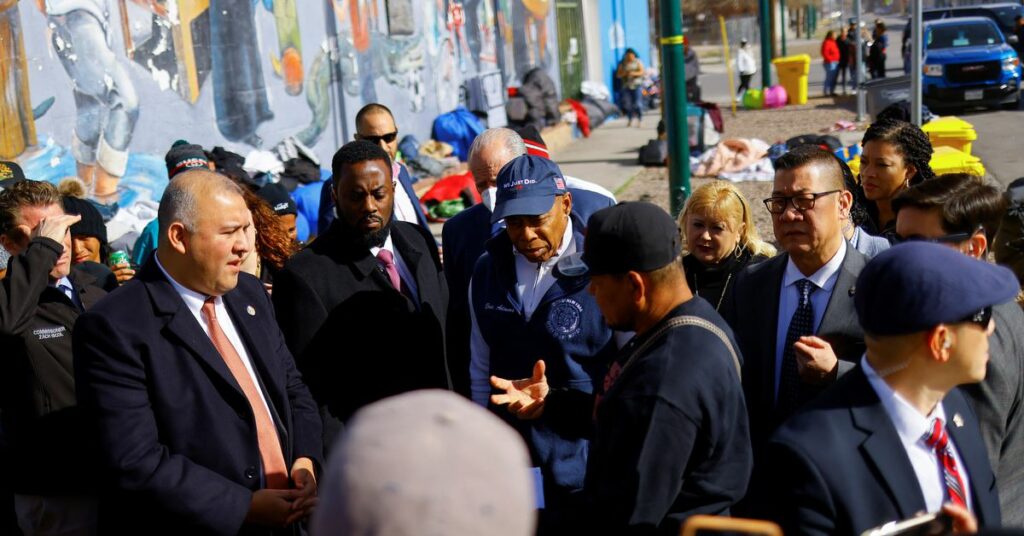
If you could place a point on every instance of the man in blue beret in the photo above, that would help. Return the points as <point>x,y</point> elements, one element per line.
<point>521,311</point>
<point>895,437</point>
<point>962,212</point>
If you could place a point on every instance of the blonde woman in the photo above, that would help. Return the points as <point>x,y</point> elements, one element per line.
<point>720,239</point>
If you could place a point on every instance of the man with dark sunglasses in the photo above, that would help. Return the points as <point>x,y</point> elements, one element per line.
<point>962,212</point>
<point>896,437</point>
<point>793,315</point>
<point>376,124</point>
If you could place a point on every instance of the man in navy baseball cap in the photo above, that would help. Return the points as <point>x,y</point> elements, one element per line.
<point>897,429</point>
<point>528,186</point>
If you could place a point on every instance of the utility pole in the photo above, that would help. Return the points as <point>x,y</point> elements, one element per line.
<point>859,86</point>
<point>674,64</point>
<point>766,43</point>
<point>782,17</point>
<point>915,63</point>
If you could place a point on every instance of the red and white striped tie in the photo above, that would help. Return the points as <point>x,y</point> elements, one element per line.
<point>939,440</point>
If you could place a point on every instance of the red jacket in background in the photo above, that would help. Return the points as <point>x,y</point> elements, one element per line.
<point>830,51</point>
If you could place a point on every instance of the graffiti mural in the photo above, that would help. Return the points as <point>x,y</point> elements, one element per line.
<point>99,89</point>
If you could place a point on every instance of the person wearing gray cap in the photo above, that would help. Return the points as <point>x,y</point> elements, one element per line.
<point>426,462</point>
<point>895,436</point>
<point>669,427</point>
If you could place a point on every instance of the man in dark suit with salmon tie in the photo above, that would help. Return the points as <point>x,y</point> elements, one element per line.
<point>203,422</point>
<point>363,307</point>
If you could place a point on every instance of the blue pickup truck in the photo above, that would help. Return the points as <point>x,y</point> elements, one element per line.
<point>968,63</point>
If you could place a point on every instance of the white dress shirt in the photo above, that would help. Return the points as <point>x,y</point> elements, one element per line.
<point>912,426</point>
<point>789,298</point>
<point>403,269</point>
<point>194,301</point>
<point>404,209</point>
<point>533,280</point>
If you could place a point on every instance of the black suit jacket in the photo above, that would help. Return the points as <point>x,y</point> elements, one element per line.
<point>752,309</point>
<point>355,337</point>
<point>839,467</point>
<point>176,433</point>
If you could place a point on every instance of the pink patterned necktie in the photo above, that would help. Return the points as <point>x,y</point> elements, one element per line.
<point>388,260</point>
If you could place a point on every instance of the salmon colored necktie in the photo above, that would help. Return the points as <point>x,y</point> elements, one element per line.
<point>274,468</point>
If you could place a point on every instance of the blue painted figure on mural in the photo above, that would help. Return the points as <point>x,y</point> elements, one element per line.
<point>105,99</point>
<point>239,90</point>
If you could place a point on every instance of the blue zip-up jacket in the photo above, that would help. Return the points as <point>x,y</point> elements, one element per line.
<point>567,330</point>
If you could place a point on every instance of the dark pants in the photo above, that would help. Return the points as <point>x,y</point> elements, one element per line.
<point>744,83</point>
<point>630,102</point>
<point>841,75</point>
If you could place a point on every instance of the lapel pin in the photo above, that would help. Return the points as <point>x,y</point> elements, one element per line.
<point>852,290</point>
<point>958,420</point>
<point>251,310</point>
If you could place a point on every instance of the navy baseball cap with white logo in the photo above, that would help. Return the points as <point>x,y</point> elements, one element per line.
<point>527,186</point>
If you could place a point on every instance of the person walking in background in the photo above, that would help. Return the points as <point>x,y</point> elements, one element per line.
<point>631,76</point>
<point>876,59</point>
<point>844,59</point>
<point>745,65</point>
<point>830,59</point>
<point>850,43</point>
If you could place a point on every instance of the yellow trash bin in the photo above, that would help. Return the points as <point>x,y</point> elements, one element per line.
<point>944,160</point>
<point>793,71</point>
<point>951,131</point>
<point>949,160</point>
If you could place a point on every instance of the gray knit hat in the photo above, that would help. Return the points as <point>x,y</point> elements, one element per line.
<point>426,463</point>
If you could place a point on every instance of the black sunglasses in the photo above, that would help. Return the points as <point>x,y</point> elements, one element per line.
<point>802,202</point>
<point>981,318</point>
<point>952,238</point>
<point>386,138</point>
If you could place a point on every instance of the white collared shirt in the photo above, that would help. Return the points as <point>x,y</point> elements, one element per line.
<point>789,298</point>
<point>912,426</point>
<point>194,302</point>
<point>404,208</point>
<point>532,281</point>
<point>403,270</point>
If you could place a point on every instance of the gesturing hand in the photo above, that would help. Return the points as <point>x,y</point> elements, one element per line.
<point>525,398</point>
<point>816,361</point>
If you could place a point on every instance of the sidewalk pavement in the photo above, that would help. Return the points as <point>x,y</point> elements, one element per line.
<point>609,156</point>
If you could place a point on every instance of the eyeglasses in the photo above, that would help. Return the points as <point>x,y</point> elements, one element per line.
<point>981,318</point>
<point>386,138</point>
<point>952,238</point>
<point>801,202</point>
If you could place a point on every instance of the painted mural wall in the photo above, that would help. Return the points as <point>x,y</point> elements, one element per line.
<point>99,89</point>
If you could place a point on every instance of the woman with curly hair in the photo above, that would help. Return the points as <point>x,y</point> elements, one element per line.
<point>720,239</point>
<point>895,157</point>
<point>274,244</point>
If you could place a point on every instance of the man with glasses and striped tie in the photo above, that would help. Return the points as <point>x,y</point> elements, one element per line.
<point>895,437</point>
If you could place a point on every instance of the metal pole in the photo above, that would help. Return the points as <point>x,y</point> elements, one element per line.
<point>783,18</point>
<point>766,43</point>
<point>674,69</point>
<point>915,63</point>
<point>859,85</point>
<point>725,52</point>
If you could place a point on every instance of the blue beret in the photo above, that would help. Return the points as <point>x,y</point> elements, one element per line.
<point>527,186</point>
<point>916,286</point>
